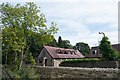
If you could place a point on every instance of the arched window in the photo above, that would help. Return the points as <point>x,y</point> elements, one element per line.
<point>65,52</point>
<point>68,51</point>
<point>73,52</point>
<point>58,51</point>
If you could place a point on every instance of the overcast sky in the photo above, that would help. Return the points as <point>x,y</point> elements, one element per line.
<point>81,20</point>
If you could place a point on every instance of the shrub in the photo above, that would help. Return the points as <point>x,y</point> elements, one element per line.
<point>81,60</point>
<point>24,73</point>
<point>108,53</point>
<point>28,72</point>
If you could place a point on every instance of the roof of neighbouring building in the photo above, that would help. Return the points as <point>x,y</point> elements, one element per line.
<point>62,53</point>
<point>114,46</point>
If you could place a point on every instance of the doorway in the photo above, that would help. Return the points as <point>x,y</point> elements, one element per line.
<point>45,62</point>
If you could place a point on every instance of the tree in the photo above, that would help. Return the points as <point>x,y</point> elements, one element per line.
<point>53,43</point>
<point>82,47</point>
<point>118,55</point>
<point>23,26</point>
<point>108,53</point>
<point>66,44</point>
<point>60,42</point>
<point>29,58</point>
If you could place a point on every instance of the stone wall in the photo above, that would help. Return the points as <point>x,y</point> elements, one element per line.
<point>92,64</point>
<point>75,72</point>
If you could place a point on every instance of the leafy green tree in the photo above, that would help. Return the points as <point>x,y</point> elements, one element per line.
<point>82,47</point>
<point>108,53</point>
<point>29,59</point>
<point>23,26</point>
<point>37,41</point>
<point>53,43</point>
<point>66,44</point>
<point>118,55</point>
<point>12,44</point>
<point>0,46</point>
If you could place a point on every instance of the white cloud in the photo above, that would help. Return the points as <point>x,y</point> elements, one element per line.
<point>83,34</point>
<point>94,12</point>
<point>94,38</point>
<point>77,17</point>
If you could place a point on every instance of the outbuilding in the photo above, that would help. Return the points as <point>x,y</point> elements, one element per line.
<point>53,56</point>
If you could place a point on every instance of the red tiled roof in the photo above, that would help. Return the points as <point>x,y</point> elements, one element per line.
<point>55,54</point>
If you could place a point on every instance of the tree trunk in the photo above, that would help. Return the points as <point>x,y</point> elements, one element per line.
<point>117,64</point>
<point>21,62</point>
<point>6,59</point>
<point>21,59</point>
<point>15,58</point>
<point>23,56</point>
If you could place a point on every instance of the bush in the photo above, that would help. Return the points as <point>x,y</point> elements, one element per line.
<point>82,60</point>
<point>29,59</point>
<point>118,55</point>
<point>25,72</point>
<point>28,72</point>
<point>108,53</point>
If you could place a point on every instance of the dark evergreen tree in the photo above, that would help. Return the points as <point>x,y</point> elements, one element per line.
<point>108,53</point>
<point>60,42</point>
<point>64,43</point>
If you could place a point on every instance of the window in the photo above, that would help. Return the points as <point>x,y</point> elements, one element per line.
<point>73,52</point>
<point>59,51</point>
<point>40,60</point>
<point>65,52</point>
<point>68,52</point>
<point>94,52</point>
<point>46,62</point>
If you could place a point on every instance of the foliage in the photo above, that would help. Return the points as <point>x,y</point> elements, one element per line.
<point>64,43</point>
<point>82,47</point>
<point>24,73</point>
<point>81,60</point>
<point>118,55</point>
<point>53,43</point>
<point>24,32</point>
<point>12,43</point>
<point>108,53</point>
<point>29,59</point>
<point>28,72</point>
<point>60,42</point>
